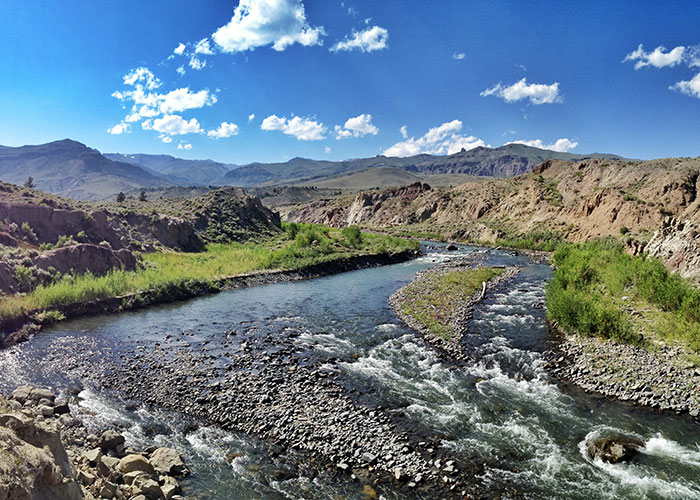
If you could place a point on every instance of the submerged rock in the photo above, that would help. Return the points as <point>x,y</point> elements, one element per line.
<point>615,449</point>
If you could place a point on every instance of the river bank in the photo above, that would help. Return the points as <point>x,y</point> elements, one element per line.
<point>662,378</point>
<point>21,328</point>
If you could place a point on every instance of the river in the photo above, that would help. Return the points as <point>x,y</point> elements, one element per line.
<point>502,409</point>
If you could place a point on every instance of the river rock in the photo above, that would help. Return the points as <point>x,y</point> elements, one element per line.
<point>21,394</point>
<point>39,394</point>
<point>615,449</point>
<point>168,461</point>
<point>134,463</point>
<point>111,439</point>
<point>93,455</point>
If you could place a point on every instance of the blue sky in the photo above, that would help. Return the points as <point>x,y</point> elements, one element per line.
<point>340,79</point>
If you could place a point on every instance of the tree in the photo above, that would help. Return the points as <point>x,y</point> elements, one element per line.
<point>142,196</point>
<point>29,183</point>
<point>121,197</point>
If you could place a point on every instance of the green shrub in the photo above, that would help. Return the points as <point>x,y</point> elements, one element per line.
<point>353,235</point>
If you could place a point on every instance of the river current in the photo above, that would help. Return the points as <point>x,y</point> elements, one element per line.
<point>502,409</point>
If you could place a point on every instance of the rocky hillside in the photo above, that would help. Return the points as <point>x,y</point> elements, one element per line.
<point>43,237</point>
<point>505,161</point>
<point>71,169</point>
<point>576,201</point>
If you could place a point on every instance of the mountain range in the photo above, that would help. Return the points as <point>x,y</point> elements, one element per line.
<point>72,169</point>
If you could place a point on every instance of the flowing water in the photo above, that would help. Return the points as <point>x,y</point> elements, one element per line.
<point>502,408</point>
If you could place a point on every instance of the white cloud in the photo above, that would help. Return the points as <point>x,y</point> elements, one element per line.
<point>689,87</point>
<point>404,132</point>
<point>304,129</point>
<point>179,50</point>
<point>142,76</point>
<point>226,129</point>
<point>165,138</point>
<point>251,117</point>
<point>257,23</point>
<point>459,55</point>
<point>443,139</point>
<point>180,70</point>
<point>183,99</point>
<point>185,146</point>
<point>119,129</point>
<point>196,63</point>
<point>538,93</point>
<point>561,145</point>
<point>173,125</point>
<point>327,150</point>
<point>203,47</point>
<point>367,40</point>
<point>657,57</point>
<point>358,126</point>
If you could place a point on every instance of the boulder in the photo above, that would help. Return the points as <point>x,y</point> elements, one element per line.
<point>615,449</point>
<point>39,394</point>
<point>111,439</point>
<point>86,257</point>
<point>143,485</point>
<point>93,456</point>
<point>135,463</point>
<point>168,461</point>
<point>21,394</point>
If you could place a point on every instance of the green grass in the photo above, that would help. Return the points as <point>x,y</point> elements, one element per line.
<point>433,300</point>
<point>598,289</point>
<point>546,241</point>
<point>300,245</point>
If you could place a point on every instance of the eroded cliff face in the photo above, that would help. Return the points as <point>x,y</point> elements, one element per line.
<point>677,243</point>
<point>577,201</point>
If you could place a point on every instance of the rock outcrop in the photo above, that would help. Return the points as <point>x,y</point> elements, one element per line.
<point>45,453</point>
<point>677,243</point>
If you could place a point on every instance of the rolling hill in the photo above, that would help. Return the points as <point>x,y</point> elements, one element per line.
<point>198,172</point>
<point>71,169</point>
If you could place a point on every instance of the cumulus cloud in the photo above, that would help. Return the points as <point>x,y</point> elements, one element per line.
<point>657,57</point>
<point>180,70</point>
<point>251,117</point>
<point>147,103</point>
<point>358,126</point>
<point>561,145</point>
<point>304,129</point>
<point>186,146</point>
<point>197,64</point>
<point>459,55</point>
<point>538,93</point>
<point>119,129</point>
<point>404,132</point>
<point>444,139</point>
<point>143,77</point>
<point>165,138</point>
<point>173,125</point>
<point>689,87</point>
<point>367,40</point>
<point>327,150</point>
<point>226,129</point>
<point>179,50</point>
<point>257,23</point>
